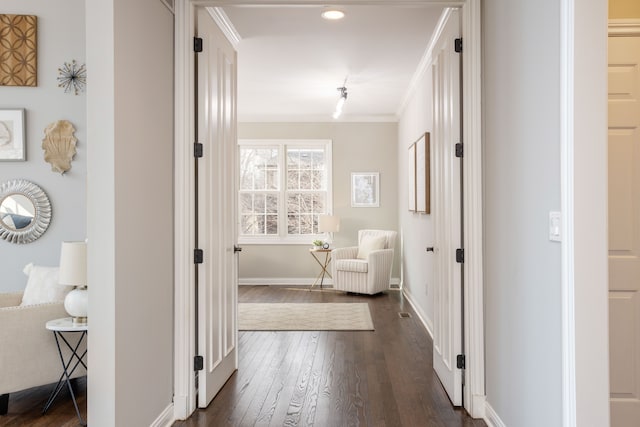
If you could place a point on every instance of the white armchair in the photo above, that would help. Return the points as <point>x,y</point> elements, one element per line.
<point>366,268</point>
<point>28,352</point>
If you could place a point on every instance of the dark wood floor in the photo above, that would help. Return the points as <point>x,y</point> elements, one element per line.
<point>334,378</point>
<point>25,407</point>
<point>325,379</point>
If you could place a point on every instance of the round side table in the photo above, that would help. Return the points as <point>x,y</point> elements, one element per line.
<point>324,265</point>
<point>59,327</point>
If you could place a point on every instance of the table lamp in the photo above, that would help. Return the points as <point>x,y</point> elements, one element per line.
<point>73,272</point>
<point>328,224</point>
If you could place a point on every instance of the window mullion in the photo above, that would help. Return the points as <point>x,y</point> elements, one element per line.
<point>283,214</point>
<point>307,200</point>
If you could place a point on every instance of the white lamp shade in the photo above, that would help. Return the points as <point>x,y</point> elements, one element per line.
<point>328,223</point>
<point>73,264</point>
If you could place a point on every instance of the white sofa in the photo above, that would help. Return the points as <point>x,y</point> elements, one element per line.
<point>371,272</point>
<point>28,352</point>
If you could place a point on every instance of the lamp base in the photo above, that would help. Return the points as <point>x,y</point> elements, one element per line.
<point>75,303</point>
<point>79,320</point>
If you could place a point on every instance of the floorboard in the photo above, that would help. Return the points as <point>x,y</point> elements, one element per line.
<point>334,378</point>
<point>25,407</point>
<point>381,378</point>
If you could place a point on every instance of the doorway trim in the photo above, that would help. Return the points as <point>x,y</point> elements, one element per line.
<point>583,178</point>
<point>184,322</point>
<point>184,394</point>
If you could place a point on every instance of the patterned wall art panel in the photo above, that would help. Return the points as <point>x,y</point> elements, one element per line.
<point>18,53</point>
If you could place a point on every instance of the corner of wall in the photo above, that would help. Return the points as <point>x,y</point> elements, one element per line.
<point>491,417</point>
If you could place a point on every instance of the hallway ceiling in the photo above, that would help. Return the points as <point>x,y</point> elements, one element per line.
<point>291,61</point>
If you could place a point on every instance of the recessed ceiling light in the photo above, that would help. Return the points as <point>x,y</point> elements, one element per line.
<point>333,14</point>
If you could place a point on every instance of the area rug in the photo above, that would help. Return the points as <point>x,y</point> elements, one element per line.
<point>304,317</point>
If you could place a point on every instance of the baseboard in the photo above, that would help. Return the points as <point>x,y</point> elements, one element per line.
<point>491,418</point>
<point>424,321</point>
<point>291,281</point>
<point>478,406</point>
<point>300,281</point>
<point>180,407</point>
<point>165,419</point>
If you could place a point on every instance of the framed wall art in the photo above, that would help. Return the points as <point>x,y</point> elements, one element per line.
<point>411,179</point>
<point>423,172</point>
<point>365,189</point>
<point>12,135</point>
<point>18,50</point>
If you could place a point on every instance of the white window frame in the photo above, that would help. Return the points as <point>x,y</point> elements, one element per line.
<point>283,238</point>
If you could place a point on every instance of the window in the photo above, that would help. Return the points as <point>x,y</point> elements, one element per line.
<point>284,186</point>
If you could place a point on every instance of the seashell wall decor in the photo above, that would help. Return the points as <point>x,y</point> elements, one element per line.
<point>59,145</point>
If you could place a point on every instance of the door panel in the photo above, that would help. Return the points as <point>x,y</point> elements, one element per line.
<point>624,230</point>
<point>447,211</point>
<point>217,278</point>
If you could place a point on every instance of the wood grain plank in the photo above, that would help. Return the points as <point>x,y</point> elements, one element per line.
<point>308,412</point>
<point>273,370</point>
<point>275,389</point>
<point>286,385</point>
<point>376,378</point>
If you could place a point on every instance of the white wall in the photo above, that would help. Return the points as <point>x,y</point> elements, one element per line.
<point>521,185</point>
<point>417,229</point>
<point>356,147</point>
<point>590,239</point>
<point>130,211</point>
<point>46,104</point>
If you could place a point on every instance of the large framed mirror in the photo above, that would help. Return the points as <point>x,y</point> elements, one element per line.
<point>25,211</point>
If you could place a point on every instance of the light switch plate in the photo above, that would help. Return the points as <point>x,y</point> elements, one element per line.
<point>555,226</point>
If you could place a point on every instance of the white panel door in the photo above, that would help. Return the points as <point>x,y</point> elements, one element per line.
<point>624,230</point>
<point>218,274</point>
<point>447,210</point>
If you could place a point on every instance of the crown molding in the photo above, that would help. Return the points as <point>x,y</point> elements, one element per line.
<point>170,5</point>
<point>225,25</point>
<point>316,119</point>
<point>322,3</point>
<point>425,62</point>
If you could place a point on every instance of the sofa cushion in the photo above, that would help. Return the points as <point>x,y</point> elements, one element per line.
<point>354,265</point>
<point>370,243</point>
<point>42,285</point>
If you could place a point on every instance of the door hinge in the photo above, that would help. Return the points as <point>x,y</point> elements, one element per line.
<point>197,150</point>
<point>459,149</point>
<point>198,256</point>
<point>198,363</point>
<point>197,44</point>
<point>460,255</point>
<point>460,361</point>
<point>458,45</point>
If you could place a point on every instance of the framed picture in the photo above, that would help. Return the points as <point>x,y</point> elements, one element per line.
<point>12,135</point>
<point>423,179</point>
<point>411,163</point>
<point>19,50</point>
<point>365,189</point>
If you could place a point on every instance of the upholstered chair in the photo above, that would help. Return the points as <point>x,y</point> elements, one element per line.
<point>366,268</point>
<point>28,353</point>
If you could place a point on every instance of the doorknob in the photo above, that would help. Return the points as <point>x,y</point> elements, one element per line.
<point>430,249</point>
<point>237,248</point>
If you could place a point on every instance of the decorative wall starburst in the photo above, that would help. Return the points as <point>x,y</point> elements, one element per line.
<point>72,77</point>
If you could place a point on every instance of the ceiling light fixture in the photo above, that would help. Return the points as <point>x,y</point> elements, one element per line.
<point>332,14</point>
<point>340,104</point>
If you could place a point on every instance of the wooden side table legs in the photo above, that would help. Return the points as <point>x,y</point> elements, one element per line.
<point>324,265</point>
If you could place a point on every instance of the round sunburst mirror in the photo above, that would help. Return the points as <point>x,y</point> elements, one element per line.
<point>25,211</point>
